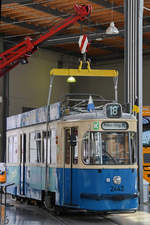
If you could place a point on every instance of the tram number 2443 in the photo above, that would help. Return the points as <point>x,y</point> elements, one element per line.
<point>117,188</point>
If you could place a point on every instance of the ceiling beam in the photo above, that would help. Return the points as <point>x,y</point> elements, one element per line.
<point>37,6</point>
<point>55,12</point>
<point>63,15</point>
<point>22,24</point>
<point>42,8</point>
<point>16,1</point>
<point>74,38</point>
<point>107,4</point>
<point>48,10</point>
<point>58,39</point>
<point>104,3</point>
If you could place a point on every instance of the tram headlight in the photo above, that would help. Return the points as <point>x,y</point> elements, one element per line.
<point>117,180</point>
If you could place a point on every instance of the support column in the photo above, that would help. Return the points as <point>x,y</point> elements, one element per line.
<point>130,60</point>
<point>140,6</point>
<point>4,96</point>
<point>1,109</point>
<point>133,71</point>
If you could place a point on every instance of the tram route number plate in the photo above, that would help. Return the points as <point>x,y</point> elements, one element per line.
<point>117,188</point>
<point>113,110</point>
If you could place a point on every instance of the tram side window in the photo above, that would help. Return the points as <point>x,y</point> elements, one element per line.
<point>51,146</point>
<point>74,144</point>
<point>46,136</point>
<point>67,146</point>
<point>71,145</point>
<point>13,149</point>
<point>35,147</point>
<point>92,148</point>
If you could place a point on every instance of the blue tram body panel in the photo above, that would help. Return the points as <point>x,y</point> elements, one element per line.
<point>51,179</point>
<point>34,181</point>
<point>13,176</point>
<point>93,189</point>
<point>33,185</point>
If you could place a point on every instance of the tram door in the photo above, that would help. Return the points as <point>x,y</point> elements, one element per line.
<point>22,163</point>
<point>71,159</point>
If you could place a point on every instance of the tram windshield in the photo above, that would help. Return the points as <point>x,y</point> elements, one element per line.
<point>108,148</point>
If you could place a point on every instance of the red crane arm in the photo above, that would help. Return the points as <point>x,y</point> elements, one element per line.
<point>11,57</point>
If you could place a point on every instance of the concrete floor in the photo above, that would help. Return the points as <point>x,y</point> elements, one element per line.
<point>24,214</point>
<point>141,217</point>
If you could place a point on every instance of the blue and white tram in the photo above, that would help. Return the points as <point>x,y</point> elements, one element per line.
<point>91,159</point>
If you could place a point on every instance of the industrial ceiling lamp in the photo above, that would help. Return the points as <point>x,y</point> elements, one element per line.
<point>71,79</point>
<point>112,29</point>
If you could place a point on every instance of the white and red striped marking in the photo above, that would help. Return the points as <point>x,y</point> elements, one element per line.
<point>83,43</point>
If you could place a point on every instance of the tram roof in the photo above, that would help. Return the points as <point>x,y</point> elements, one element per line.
<point>94,115</point>
<point>39,115</point>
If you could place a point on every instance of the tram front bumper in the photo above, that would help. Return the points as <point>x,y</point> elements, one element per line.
<point>108,196</point>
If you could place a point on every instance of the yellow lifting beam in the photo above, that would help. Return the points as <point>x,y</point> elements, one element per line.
<point>84,72</point>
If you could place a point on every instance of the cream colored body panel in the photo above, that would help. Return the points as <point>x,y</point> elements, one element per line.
<point>83,127</point>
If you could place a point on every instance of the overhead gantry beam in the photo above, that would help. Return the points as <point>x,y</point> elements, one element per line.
<point>79,72</point>
<point>84,73</point>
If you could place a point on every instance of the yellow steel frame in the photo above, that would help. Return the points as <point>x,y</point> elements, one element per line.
<point>84,72</point>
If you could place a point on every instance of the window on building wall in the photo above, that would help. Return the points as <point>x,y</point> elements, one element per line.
<point>13,149</point>
<point>35,147</point>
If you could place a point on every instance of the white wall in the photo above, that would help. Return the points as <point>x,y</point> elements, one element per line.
<point>29,83</point>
